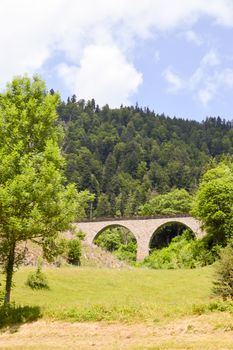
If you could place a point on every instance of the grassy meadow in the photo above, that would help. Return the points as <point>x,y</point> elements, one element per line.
<point>92,294</point>
<point>139,309</point>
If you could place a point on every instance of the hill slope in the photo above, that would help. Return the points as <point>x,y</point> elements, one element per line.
<point>124,155</point>
<point>94,256</point>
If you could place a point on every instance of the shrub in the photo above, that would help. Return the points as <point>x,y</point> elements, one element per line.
<point>127,252</point>
<point>223,285</point>
<point>109,240</point>
<point>183,252</point>
<point>120,242</point>
<point>37,280</point>
<point>74,251</point>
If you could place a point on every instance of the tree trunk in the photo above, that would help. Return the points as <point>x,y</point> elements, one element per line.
<point>9,273</point>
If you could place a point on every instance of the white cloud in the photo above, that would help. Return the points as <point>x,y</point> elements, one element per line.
<point>210,59</point>
<point>31,32</point>
<point>206,81</point>
<point>206,94</point>
<point>219,81</point>
<point>103,73</point>
<point>173,79</point>
<point>203,71</point>
<point>26,36</point>
<point>193,37</point>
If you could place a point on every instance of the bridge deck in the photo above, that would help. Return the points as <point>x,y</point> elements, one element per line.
<point>135,218</point>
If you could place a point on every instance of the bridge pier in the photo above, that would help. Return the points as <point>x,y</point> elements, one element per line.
<point>142,250</point>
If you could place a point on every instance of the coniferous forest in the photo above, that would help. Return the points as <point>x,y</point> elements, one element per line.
<point>126,155</point>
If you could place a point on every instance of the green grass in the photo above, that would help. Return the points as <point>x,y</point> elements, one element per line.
<point>88,294</point>
<point>144,309</point>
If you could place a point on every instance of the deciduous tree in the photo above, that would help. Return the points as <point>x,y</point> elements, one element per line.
<point>214,202</point>
<point>34,202</point>
<point>174,202</point>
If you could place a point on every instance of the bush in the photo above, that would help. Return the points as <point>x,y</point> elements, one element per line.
<point>127,252</point>
<point>120,242</point>
<point>74,251</point>
<point>37,280</point>
<point>223,285</point>
<point>183,252</point>
<point>109,240</point>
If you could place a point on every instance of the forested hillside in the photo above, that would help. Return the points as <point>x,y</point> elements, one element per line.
<point>126,155</point>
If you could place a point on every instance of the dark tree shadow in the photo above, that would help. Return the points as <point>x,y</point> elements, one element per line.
<point>12,316</point>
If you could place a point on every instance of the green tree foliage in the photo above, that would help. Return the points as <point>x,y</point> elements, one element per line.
<point>165,233</point>
<point>34,202</point>
<point>129,153</point>
<point>223,284</point>
<point>174,202</point>
<point>74,251</point>
<point>104,207</point>
<point>118,241</point>
<point>183,252</point>
<point>214,203</point>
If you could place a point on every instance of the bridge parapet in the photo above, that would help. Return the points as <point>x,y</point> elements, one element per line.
<point>121,218</point>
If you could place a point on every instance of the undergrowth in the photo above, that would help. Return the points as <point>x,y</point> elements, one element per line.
<point>182,252</point>
<point>213,306</point>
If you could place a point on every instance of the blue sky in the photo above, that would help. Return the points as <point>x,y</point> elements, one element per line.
<point>174,56</point>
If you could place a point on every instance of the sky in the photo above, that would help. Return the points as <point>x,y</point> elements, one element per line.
<point>173,56</point>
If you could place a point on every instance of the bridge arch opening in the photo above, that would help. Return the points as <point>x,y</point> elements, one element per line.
<point>164,234</point>
<point>118,240</point>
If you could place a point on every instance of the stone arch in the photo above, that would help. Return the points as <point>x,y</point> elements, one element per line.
<point>115,225</point>
<point>164,224</point>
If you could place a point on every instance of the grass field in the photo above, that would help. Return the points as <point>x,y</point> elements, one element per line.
<point>87,294</point>
<point>140,309</point>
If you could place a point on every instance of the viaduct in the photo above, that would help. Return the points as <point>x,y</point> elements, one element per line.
<point>142,228</point>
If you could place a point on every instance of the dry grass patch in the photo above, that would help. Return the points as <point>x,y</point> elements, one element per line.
<point>194,333</point>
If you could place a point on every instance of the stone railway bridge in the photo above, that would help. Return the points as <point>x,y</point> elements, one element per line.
<point>143,228</point>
